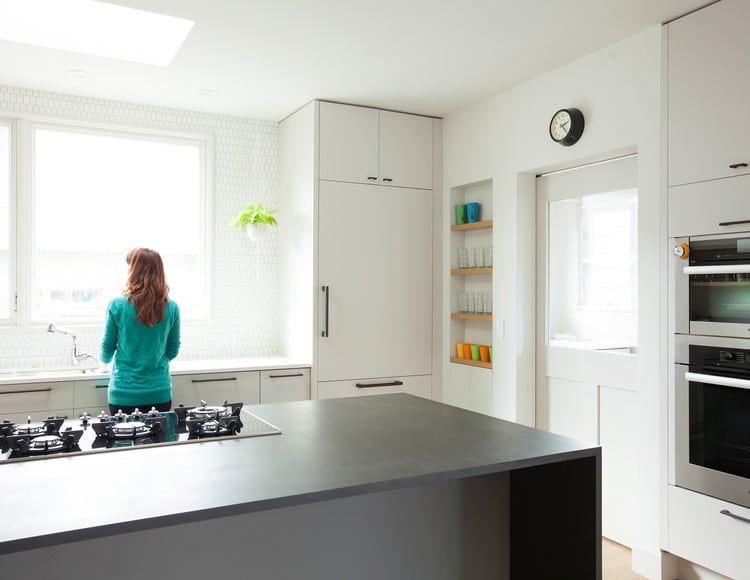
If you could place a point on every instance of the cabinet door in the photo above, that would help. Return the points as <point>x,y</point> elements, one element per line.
<point>419,386</point>
<point>215,388</point>
<point>375,258</point>
<point>283,385</point>
<point>348,143</point>
<point>709,207</point>
<point>701,531</point>
<point>36,400</point>
<point>91,396</point>
<point>709,88</point>
<point>406,150</point>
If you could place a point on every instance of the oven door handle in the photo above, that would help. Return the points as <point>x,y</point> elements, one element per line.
<point>719,381</point>
<point>731,269</point>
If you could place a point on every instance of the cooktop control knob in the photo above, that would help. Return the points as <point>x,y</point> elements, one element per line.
<point>681,251</point>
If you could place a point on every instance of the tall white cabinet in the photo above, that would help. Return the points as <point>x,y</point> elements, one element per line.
<point>708,177</point>
<point>356,241</point>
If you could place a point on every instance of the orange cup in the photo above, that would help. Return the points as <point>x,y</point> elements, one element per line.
<point>467,351</point>
<point>484,353</point>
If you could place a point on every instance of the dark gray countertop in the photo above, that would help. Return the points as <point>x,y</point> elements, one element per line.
<point>328,449</point>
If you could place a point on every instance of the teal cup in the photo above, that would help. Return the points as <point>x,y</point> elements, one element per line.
<point>472,212</point>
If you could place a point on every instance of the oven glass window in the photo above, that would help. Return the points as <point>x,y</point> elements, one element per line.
<point>720,428</point>
<point>719,296</point>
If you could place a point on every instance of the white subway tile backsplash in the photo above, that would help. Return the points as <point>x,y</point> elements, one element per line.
<point>246,277</point>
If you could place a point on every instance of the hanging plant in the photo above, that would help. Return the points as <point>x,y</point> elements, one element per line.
<point>255,214</point>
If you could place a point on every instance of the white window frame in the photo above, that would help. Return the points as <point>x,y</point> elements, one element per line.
<point>22,207</point>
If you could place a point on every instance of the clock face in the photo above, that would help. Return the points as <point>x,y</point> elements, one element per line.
<point>559,127</point>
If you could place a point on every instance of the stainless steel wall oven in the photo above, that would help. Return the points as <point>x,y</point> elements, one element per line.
<point>712,285</point>
<point>712,417</point>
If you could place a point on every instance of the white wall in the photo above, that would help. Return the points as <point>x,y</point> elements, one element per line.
<point>244,321</point>
<point>505,138</point>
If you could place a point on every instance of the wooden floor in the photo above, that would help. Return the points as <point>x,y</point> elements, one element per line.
<point>616,562</point>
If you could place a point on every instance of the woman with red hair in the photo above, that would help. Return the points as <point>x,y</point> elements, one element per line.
<point>141,334</point>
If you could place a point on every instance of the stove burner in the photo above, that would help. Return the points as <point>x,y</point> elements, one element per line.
<point>44,444</point>
<point>210,421</point>
<point>123,426</point>
<point>31,428</point>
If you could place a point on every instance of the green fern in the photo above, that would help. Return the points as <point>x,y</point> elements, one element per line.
<point>255,214</point>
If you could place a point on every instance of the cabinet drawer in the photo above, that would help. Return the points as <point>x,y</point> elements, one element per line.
<point>36,398</point>
<point>283,385</point>
<point>419,385</point>
<point>699,532</point>
<point>215,388</point>
<point>699,208</point>
<point>91,393</point>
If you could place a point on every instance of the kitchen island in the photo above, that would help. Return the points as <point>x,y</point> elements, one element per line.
<point>389,486</point>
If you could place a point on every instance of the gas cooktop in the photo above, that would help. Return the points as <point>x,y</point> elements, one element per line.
<point>57,436</point>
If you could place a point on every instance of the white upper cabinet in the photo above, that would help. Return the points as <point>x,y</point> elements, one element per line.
<point>709,88</point>
<point>363,145</point>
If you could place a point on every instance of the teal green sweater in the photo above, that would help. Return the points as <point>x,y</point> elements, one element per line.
<point>140,373</point>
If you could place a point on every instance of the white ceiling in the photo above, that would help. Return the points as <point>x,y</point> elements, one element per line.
<point>267,58</point>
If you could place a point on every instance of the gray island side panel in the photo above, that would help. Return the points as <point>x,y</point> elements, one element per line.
<point>327,450</point>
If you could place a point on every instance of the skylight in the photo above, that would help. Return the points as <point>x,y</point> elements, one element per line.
<point>97,28</point>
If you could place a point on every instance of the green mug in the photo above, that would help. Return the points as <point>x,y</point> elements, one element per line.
<point>461,214</point>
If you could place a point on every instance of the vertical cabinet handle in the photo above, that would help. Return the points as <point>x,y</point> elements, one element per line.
<point>326,291</point>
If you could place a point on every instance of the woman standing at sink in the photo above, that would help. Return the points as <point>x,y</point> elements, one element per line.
<point>141,334</point>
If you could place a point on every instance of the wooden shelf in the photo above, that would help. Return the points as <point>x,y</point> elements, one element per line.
<point>470,271</point>
<point>484,224</point>
<point>469,316</point>
<point>471,363</point>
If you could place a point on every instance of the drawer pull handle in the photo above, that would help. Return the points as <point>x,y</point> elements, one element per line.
<point>47,390</point>
<point>370,385</point>
<point>734,223</point>
<point>285,376</point>
<point>213,380</point>
<point>387,180</point>
<point>101,386</point>
<point>737,165</point>
<point>372,178</point>
<point>735,516</point>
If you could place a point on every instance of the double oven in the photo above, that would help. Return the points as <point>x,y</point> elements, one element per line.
<point>711,399</point>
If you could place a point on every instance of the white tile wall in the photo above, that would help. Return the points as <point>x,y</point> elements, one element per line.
<point>245,300</point>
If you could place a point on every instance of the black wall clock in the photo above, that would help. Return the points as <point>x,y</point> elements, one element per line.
<point>566,126</point>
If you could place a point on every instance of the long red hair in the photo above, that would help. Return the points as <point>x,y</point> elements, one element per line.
<point>147,287</point>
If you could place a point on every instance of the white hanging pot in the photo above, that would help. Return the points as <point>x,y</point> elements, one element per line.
<point>257,233</point>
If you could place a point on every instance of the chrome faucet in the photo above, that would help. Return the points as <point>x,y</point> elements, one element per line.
<point>77,357</point>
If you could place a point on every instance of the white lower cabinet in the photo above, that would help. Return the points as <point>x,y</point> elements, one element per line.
<point>282,385</point>
<point>90,396</point>
<point>20,401</point>
<point>215,388</point>
<point>418,385</point>
<point>702,529</point>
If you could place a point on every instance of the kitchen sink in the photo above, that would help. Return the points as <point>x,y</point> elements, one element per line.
<point>46,373</point>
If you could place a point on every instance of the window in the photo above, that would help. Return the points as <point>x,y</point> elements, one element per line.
<point>5,222</point>
<point>591,255</point>
<point>609,251</point>
<point>95,194</point>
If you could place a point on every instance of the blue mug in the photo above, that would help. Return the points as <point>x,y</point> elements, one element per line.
<point>472,212</point>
